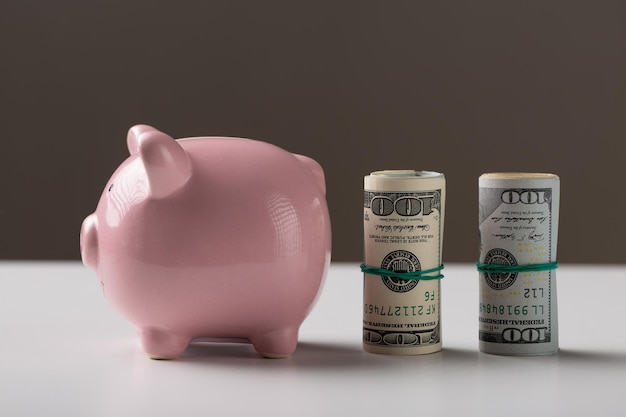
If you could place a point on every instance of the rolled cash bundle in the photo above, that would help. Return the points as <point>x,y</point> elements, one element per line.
<point>403,230</point>
<point>518,225</point>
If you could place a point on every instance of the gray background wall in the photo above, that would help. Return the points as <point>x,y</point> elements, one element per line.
<point>461,87</point>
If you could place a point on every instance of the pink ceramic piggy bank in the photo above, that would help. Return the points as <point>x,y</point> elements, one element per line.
<point>210,237</point>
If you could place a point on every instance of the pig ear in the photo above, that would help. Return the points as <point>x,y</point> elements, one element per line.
<point>315,169</point>
<point>133,134</point>
<point>166,163</point>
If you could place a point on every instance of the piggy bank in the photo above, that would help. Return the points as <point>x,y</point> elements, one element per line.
<point>210,237</point>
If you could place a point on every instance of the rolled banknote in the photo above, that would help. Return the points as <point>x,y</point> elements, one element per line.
<point>403,232</point>
<point>518,226</point>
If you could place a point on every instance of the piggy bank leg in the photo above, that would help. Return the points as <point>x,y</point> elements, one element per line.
<point>275,344</point>
<point>160,344</point>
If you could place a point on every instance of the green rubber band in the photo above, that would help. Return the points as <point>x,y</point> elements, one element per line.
<point>504,269</point>
<point>416,275</point>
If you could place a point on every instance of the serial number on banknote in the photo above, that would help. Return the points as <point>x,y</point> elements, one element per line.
<point>511,310</point>
<point>400,311</point>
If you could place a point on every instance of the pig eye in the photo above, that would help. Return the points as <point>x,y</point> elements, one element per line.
<point>110,187</point>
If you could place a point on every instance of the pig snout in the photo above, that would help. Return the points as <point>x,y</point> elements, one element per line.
<point>89,241</point>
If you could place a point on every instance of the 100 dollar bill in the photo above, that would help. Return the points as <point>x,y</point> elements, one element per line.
<point>403,231</point>
<point>518,224</point>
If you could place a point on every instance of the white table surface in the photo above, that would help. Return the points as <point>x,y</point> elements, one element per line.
<point>65,352</point>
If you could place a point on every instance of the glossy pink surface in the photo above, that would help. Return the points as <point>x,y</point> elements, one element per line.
<point>210,237</point>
